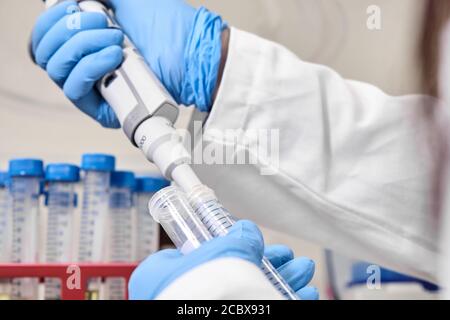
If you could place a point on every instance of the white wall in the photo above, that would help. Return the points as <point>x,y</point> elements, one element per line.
<point>36,120</point>
<point>334,32</point>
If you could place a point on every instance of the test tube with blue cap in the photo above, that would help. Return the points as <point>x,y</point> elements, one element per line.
<point>25,178</point>
<point>5,231</point>
<point>5,219</point>
<point>147,233</point>
<point>97,170</point>
<point>61,201</point>
<point>120,229</point>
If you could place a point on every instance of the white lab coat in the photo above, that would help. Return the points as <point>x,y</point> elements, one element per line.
<point>356,170</point>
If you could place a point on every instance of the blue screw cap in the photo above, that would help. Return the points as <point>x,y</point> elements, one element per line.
<point>4,178</point>
<point>62,172</point>
<point>151,184</point>
<point>361,272</point>
<point>26,168</point>
<point>98,162</point>
<point>123,179</point>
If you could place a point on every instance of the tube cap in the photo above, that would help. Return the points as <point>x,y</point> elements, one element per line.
<point>62,172</point>
<point>26,168</point>
<point>123,179</point>
<point>4,178</point>
<point>98,162</point>
<point>151,184</point>
<point>360,275</point>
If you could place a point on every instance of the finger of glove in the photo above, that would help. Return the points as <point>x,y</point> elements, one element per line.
<point>80,45</point>
<point>79,86</point>
<point>98,109</point>
<point>308,293</point>
<point>249,235</point>
<point>48,19</point>
<point>278,255</point>
<point>65,29</point>
<point>106,115</point>
<point>167,254</point>
<point>297,272</point>
<point>115,4</point>
<point>89,70</point>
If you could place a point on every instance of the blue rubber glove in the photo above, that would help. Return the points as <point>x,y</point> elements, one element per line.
<point>297,272</point>
<point>76,58</point>
<point>182,46</point>
<point>244,241</point>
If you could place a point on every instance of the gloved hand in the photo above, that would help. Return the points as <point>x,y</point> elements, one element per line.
<point>243,241</point>
<point>297,272</point>
<point>181,45</point>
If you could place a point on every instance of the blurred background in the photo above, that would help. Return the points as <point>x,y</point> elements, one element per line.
<point>37,121</point>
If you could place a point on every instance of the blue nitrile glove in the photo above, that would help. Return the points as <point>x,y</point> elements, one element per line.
<point>76,58</point>
<point>297,272</point>
<point>243,241</point>
<point>181,44</point>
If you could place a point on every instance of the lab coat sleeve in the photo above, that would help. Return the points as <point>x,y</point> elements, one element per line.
<point>353,169</point>
<point>221,279</point>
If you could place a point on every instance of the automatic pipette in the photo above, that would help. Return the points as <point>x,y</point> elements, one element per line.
<point>145,109</point>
